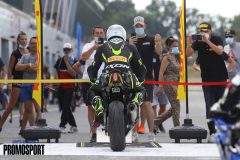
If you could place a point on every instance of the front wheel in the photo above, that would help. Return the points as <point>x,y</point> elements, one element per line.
<point>117,126</point>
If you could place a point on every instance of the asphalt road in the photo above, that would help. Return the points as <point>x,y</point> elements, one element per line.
<point>188,149</point>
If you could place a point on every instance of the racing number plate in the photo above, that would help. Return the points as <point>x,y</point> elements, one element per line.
<point>115,90</point>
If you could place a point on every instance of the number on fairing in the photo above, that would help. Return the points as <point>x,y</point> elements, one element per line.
<point>116,90</point>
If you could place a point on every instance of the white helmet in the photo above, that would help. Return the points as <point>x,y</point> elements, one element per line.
<point>116,31</point>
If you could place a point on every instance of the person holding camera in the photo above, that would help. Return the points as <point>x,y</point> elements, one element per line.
<point>211,60</point>
<point>64,70</point>
<point>89,51</point>
<point>146,46</point>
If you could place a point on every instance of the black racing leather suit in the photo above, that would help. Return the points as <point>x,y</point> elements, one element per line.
<point>123,57</point>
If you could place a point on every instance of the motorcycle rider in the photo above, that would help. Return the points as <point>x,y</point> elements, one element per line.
<point>118,54</point>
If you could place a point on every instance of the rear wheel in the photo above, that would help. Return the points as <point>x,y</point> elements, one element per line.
<point>117,126</point>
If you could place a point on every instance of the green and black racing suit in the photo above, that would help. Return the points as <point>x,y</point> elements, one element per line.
<point>122,57</point>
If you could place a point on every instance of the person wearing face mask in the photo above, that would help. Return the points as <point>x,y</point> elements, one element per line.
<point>28,64</point>
<point>232,48</point>
<point>211,60</point>
<point>169,72</point>
<point>64,70</point>
<point>162,99</point>
<point>89,51</point>
<point>146,46</point>
<point>14,89</point>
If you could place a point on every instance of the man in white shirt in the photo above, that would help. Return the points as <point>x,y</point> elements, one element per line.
<point>88,52</point>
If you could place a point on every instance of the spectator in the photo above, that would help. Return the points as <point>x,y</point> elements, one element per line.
<point>3,70</point>
<point>211,60</point>
<point>28,64</point>
<point>161,99</point>
<point>89,51</point>
<point>233,50</point>
<point>14,89</point>
<point>64,70</point>
<point>3,96</point>
<point>169,72</point>
<point>146,46</point>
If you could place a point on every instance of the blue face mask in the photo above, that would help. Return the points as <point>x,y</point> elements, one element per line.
<point>229,40</point>
<point>139,31</point>
<point>175,50</point>
<point>24,46</point>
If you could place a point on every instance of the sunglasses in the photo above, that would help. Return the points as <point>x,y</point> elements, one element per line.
<point>66,49</point>
<point>203,31</point>
<point>228,36</point>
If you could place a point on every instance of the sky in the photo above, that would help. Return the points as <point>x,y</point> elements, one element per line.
<point>212,7</point>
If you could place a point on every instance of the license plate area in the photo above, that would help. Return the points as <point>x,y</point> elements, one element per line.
<point>116,90</point>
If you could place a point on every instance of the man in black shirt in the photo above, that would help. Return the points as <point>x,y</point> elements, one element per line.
<point>211,60</point>
<point>146,46</point>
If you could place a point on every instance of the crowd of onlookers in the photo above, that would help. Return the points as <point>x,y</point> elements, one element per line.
<point>216,62</point>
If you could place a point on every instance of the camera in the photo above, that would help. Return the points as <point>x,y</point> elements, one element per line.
<point>196,37</point>
<point>133,34</point>
<point>99,40</point>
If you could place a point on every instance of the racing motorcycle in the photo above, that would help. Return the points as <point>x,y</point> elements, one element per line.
<point>226,114</point>
<point>119,116</point>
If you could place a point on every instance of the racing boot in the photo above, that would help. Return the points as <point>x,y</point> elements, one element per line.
<point>99,109</point>
<point>136,101</point>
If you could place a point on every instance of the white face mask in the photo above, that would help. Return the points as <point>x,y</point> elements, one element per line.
<point>23,46</point>
<point>207,35</point>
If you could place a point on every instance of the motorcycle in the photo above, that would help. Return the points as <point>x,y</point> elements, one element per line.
<point>119,116</point>
<point>226,114</point>
<point>227,139</point>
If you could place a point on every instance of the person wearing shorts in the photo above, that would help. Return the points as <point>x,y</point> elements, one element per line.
<point>146,46</point>
<point>14,89</point>
<point>28,64</point>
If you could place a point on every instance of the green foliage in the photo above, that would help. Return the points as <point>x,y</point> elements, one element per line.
<point>119,12</point>
<point>236,25</point>
<point>161,16</point>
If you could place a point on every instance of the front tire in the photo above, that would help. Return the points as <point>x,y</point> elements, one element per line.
<point>117,126</point>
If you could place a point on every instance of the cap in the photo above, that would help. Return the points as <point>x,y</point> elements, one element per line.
<point>204,27</point>
<point>67,45</point>
<point>138,20</point>
<point>230,32</point>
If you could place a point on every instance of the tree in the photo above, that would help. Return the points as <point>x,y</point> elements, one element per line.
<point>119,12</point>
<point>161,16</point>
<point>236,24</point>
